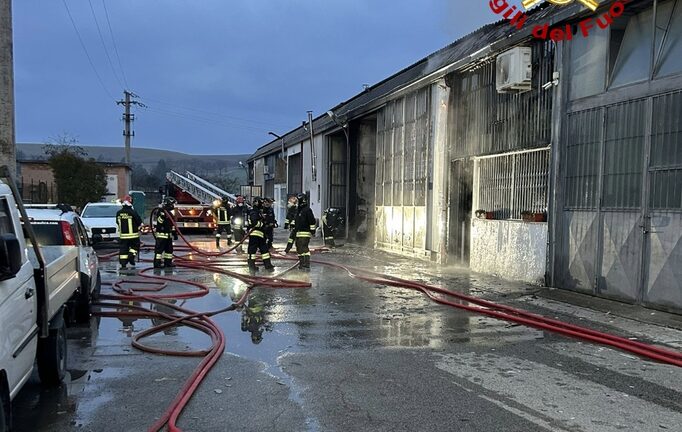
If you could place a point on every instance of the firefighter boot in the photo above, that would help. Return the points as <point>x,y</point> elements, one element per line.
<point>168,263</point>
<point>217,242</point>
<point>288,248</point>
<point>252,265</point>
<point>229,241</point>
<point>158,264</point>
<point>268,265</point>
<point>306,262</point>
<point>301,262</point>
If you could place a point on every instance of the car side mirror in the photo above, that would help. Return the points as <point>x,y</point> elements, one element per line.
<point>10,256</point>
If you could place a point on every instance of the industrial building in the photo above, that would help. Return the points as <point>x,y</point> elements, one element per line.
<point>551,162</point>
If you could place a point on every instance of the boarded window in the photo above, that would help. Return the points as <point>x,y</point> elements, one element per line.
<point>511,184</point>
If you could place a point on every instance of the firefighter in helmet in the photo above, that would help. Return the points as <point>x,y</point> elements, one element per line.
<point>223,222</point>
<point>305,225</point>
<point>257,237</point>
<point>165,229</point>
<point>239,218</point>
<point>289,222</point>
<point>128,223</point>
<point>270,222</point>
<point>332,220</point>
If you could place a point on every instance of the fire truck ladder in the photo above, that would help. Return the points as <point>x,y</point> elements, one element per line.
<point>198,192</point>
<point>211,187</point>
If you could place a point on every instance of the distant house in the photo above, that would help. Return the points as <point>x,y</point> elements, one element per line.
<point>36,180</point>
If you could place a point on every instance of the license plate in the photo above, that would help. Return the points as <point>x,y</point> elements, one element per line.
<point>191,225</point>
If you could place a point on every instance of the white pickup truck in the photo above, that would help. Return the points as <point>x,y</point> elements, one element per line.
<point>35,284</point>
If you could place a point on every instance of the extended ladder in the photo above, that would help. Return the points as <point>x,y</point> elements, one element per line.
<point>198,192</point>
<point>211,187</point>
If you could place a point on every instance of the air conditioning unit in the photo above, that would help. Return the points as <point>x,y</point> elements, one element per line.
<point>266,169</point>
<point>514,70</point>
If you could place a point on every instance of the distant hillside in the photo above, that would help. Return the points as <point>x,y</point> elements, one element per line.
<point>143,156</point>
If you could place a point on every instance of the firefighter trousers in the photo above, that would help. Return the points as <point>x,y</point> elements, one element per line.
<point>163,251</point>
<point>128,250</point>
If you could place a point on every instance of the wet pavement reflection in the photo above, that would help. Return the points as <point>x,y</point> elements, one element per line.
<point>338,313</point>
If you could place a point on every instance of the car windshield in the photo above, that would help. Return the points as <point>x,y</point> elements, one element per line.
<point>100,211</point>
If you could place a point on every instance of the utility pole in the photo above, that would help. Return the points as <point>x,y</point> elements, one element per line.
<point>7,144</point>
<point>128,119</point>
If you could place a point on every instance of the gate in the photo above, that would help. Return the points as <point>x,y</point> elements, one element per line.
<point>622,218</point>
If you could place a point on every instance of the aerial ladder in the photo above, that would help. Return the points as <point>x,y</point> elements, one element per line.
<point>200,189</point>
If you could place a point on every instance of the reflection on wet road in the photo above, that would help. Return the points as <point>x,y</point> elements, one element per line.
<point>348,355</point>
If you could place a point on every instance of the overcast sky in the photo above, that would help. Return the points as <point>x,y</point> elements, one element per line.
<point>217,75</point>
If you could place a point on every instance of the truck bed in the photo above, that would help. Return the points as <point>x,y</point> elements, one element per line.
<point>62,276</point>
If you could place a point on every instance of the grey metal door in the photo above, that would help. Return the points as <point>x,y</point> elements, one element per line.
<point>622,220</point>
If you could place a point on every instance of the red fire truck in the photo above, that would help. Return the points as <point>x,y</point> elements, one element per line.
<point>196,199</point>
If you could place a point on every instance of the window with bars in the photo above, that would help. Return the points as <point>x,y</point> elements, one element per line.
<point>509,185</point>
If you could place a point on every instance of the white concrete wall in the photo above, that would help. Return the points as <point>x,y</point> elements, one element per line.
<point>509,249</point>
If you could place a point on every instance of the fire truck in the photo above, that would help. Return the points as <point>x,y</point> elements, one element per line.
<point>196,200</point>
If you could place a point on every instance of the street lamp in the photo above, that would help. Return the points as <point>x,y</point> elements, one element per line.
<point>280,138</point>
<point>344,127</point>
<point>241,164</point>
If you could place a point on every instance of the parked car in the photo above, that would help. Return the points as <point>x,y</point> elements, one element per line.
<point>59,225</point>
<point>36,282</point>
<point>100,221</point>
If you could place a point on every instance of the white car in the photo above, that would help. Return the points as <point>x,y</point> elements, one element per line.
<point>100,221</point>
<point>58,225</point>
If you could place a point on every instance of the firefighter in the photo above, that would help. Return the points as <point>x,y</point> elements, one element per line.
<point>305,226</point>
<point>270,222</point>
<point>257,237</point>
<point>128,222</point>
<point>239,218</point>
<point>223,222</point>
<point>289,222</point>
<point>163,249</point>
<point>331,220</point>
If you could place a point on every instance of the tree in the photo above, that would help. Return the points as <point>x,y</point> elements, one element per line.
<point>227,183</point>
<point>79,180</point>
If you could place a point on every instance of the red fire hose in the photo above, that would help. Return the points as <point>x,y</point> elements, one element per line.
<point>150,288</point>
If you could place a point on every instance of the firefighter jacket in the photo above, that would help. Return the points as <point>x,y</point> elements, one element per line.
<point>223,215</point>
<point>305,223</point>
<point>128,222</point>
<point>291,217</point>
<point>270,220</point>
<point>256,222</point>
<point>240,216</point>
<point>164,226</point>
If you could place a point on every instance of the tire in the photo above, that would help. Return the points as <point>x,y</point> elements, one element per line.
<point>4,427</point>
<point>52,356</point>
<point>82,305</point>
<point>98,288</point>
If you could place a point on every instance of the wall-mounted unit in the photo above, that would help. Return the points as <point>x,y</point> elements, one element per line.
<point>266,169</point>
<point>514,71</point>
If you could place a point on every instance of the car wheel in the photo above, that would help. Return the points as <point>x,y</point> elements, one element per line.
<point>4,426</point>
<point>98,287</point>
<point>52,355</point>
<point>83,300</point>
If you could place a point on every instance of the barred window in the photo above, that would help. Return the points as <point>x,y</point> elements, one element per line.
<point>512,184</point>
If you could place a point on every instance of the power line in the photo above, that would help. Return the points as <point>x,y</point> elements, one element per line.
<point>101,38</point>
<point>220,116</point>
<point>87,54</point>
<point>113,40</point>
<point>203,120</point>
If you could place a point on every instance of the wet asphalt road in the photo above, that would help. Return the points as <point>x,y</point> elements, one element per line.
<point>352,356</point>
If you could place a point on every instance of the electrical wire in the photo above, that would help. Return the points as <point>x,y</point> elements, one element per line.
<point>204,120</point>
<point>113,41</point>
<point>211,113</point>
<point>104,45</point>
<point>87,54</point>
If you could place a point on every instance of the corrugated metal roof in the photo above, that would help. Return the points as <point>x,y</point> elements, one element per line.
<point>499,34</point>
